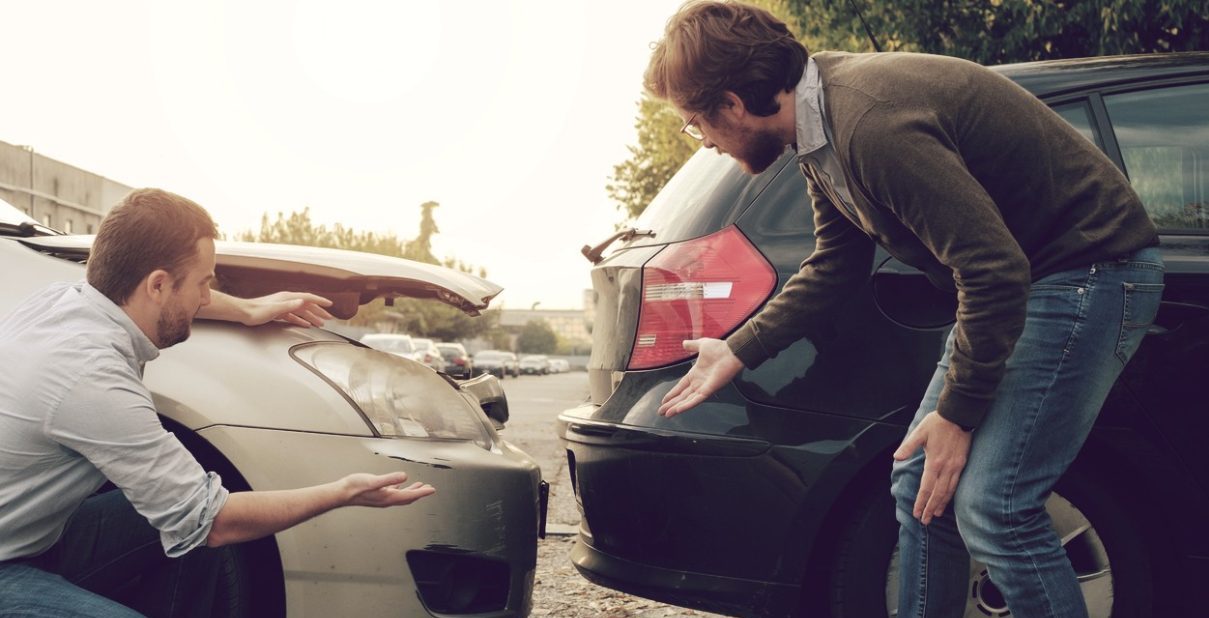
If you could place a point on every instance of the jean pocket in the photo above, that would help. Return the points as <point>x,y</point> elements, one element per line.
<point>1141,306</point>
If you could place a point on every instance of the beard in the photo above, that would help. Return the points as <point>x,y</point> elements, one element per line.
<point>759,151</point>
<point>173,327</point>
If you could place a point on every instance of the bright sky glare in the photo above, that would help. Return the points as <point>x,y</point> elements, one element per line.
<point>511,114</point>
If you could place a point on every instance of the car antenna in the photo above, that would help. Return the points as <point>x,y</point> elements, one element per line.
<point>869,32</point>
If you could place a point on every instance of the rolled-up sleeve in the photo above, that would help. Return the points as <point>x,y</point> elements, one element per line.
<point>110,419</point>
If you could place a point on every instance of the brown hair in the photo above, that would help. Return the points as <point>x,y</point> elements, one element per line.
<point>709,48</point>
<point>151,229</point>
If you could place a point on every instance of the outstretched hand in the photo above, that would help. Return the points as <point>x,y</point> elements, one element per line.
<point>715,366</point>
<point>383,490</point>
<point>946,447</point>
<point>297,308</point>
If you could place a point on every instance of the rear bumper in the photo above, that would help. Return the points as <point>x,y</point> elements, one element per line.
<point>724,508</point>
<point>731,596</point>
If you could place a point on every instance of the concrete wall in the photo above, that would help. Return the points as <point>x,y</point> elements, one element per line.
<point>57,194</point>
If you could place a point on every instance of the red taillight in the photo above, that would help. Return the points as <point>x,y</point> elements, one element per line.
<point>705,287</point>
<point>458,360</point>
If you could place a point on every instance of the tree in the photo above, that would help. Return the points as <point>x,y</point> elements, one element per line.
<point>427,318</point>
<point>992,32</point>
<point>661,150</point>
<point>537,338</point>
<point>1001,31</point>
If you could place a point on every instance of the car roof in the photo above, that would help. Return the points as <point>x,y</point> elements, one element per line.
<point>1051,77</point>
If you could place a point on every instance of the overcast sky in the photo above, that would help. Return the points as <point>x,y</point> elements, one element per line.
<point>511,114</point>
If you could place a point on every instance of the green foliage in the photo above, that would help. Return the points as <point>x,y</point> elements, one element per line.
<point>661,150</point>
<point>426,318</point>
<point>500,339</point>
<point>987,32</point>
<point>537,338</point>
<point>1000,31</point>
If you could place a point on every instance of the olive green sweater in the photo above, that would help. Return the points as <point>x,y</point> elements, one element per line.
<point>955,170</point>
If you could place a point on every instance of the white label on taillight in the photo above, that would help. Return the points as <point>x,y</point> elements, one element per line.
<point>691,290</point>
<point>645,340</point>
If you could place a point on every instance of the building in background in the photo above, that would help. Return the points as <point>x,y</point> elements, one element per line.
<point>54,193</point>
<point>571,325</point>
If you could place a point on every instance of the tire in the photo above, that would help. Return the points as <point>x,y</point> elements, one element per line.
<point>233,594</point>
<point>862,577</point>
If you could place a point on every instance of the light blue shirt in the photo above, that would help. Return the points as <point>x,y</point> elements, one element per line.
<point>814,141</point>
<point>74,412</point>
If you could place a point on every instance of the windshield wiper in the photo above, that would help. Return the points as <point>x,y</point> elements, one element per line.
<point>26,229</point>
<point>594,253</point>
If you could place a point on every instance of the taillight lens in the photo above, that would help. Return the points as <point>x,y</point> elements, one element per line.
<point>705,287</point>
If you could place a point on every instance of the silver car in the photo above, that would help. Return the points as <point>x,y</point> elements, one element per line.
<point>279,407</point>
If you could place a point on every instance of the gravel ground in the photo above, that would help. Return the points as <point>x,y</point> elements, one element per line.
<point>560,591</point>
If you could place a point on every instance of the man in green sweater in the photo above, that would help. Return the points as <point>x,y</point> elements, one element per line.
<point>959,172</point>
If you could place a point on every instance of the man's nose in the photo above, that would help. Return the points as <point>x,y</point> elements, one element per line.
<point>205,297</point>
<point>707,142</point>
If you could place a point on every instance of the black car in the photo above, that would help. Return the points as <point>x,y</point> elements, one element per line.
<point>772,497</point>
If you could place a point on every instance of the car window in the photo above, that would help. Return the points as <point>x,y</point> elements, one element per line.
<point>1164,138</point>
<point>708,193</point>
<point>1079,116</point>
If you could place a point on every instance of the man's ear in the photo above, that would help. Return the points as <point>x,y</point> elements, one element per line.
<point>157,285</point>
<point>732,106</point>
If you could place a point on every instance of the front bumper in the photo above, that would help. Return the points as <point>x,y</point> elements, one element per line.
<point>484,521</point>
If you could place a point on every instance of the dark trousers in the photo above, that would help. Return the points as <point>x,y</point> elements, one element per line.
<point>109,563</point>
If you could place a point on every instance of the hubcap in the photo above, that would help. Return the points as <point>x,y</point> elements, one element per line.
<point>1083,547</point>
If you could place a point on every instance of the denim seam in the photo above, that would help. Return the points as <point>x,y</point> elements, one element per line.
<point>923,573</point>
<point>82,577</point>
<point>1009,487</point>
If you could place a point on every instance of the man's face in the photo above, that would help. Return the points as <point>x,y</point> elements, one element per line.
<point>754,147</point>
<point>188,294</point>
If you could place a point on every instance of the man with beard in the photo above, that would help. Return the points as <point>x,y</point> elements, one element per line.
<point>961,173</point>
<point>75,413</point>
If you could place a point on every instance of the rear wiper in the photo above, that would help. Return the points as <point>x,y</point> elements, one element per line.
<point>594,253</point>
<point>26,229</point>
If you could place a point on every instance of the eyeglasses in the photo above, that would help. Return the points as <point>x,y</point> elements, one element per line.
<point>692,130</point>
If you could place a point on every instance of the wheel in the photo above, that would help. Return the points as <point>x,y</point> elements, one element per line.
<point>1108,554</point>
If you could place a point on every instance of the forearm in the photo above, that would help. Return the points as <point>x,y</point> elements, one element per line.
<point>839,265</point>
<point>224,307</point>
<point>251,515</point>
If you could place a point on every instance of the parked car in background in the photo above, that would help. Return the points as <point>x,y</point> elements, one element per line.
<point>559,365</point>
<point>772,497</point>
<point>498,363</point>
<point>428,354</point>
<point>277,406</point>
<point>536,364</point>
<point>397,344</point>
<point>457,362</point>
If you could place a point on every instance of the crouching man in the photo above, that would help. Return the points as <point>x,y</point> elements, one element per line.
<point>74,413</point>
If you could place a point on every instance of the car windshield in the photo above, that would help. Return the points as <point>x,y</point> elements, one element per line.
<point>390,344</point>
<point>489,356</point>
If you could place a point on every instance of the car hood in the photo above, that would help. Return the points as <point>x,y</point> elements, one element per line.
<point>348,278</point>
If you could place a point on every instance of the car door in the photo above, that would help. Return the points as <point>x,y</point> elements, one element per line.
<point>1162,136</point>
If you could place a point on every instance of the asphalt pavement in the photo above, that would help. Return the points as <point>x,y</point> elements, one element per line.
<point>534,403</point>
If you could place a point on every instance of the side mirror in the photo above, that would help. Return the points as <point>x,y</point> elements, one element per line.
<point>487,389</point>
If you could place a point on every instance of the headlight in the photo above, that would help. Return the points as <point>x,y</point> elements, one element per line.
<point>399,398</point>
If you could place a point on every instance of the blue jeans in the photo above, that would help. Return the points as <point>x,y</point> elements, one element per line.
<point>1082,326</point>
<point>108,564</point>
